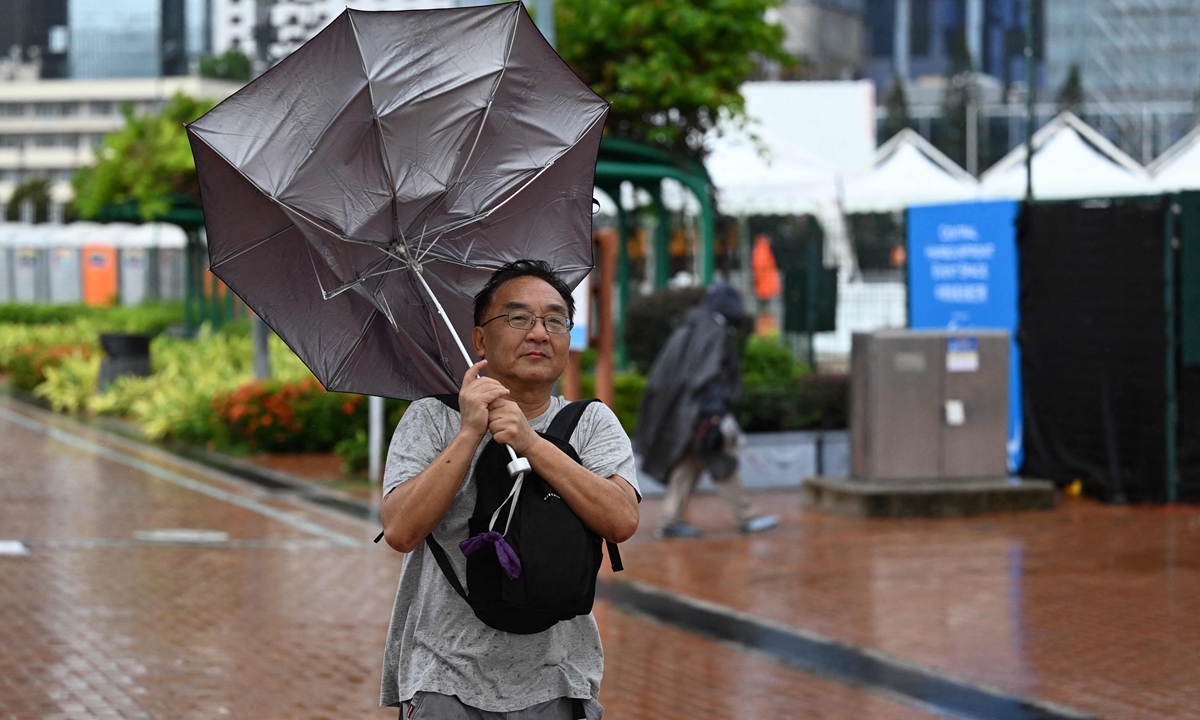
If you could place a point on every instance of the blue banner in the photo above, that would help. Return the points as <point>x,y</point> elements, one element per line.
<point>962,274</point>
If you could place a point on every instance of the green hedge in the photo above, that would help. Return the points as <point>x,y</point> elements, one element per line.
<point>149,318</point>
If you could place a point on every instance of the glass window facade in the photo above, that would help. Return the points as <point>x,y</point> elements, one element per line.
<point>117,38</point>
<point>1126,51</point>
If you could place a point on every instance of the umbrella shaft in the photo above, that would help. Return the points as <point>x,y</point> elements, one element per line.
<point>457,340</point>
<point>445,318</point>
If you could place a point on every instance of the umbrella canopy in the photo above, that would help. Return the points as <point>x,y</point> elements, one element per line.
<point>396,159</point>
<point>907,171</point>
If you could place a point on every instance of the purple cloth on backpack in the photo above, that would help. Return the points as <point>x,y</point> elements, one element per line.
<point>504,552</point>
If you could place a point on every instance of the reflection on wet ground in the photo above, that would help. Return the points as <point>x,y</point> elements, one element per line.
<point>111,615</point>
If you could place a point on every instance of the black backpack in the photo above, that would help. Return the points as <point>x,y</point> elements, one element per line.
<point>558,555</point>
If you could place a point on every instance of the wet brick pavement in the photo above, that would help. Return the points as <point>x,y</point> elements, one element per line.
<point>278,622</point>
<point>1090,606</point>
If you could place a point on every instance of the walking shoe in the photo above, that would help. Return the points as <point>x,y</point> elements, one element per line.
<point>759,523</point>
<point>678,530</point>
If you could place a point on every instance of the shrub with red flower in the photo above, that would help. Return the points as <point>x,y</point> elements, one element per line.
<point>27,368</point>
<point>289,417</point>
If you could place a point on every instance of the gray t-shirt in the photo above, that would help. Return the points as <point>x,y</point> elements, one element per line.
<point>435,642</point>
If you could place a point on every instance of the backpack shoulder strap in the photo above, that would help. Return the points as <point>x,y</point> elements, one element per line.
<point>450,400</point>
<point>561,428</point>
<point>444,563</point>
<point>567,419</point>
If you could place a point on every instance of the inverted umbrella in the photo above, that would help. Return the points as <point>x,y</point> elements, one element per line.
<point>359,193</point>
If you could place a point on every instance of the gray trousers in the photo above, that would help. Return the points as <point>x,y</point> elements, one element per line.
<point>682,482</point>
<point>435,706</point>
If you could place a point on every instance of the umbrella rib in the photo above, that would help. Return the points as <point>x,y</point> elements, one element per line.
<point>281,203</point>
<point>487,109</point>
<point>354,348</point>
<point>484,215</point>
<point>358,279</point>
<point>493,267</point>
<point>387,163</point>
<point>215,262</point>
<point>312,146</point>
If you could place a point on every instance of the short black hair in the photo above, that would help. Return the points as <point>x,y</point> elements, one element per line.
<point>539,269</point>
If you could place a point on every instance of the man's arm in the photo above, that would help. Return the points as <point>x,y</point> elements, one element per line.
<point>607,505</point>
<point>412,510</point>
<point>416,506</point>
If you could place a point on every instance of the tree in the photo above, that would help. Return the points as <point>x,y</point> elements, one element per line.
<point>149,163</point>
<point>1070,95</point>
<point>36,190</point>
<point>670,68</point>
<point>232,65</point>
<point>897,110</point>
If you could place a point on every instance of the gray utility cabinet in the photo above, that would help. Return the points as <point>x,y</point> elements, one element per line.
<point>928,405</point>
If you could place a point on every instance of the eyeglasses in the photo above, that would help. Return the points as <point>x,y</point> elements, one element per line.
<point>554,324</point>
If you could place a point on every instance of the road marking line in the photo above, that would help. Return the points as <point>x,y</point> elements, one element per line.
<point>13,547</point>
<point>176,479</point>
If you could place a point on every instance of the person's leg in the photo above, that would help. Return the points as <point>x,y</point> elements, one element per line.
<point>730,490</point>
<point>747,517</point>
<point>679,490</point>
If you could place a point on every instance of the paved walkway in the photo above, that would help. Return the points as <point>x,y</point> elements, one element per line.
<point>1091,606</point>
<point>284,615</point>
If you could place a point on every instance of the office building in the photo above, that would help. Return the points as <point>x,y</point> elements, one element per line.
<point>828,36</point>
<point>34,32</point>
<point>51,128</point>
<point>916,38</point>
<point>294,22</point>
<point>1127,50</point>
<point>232,24</point>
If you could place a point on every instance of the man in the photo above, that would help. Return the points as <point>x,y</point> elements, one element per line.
<point>441,662</point>
<point>686,425</point>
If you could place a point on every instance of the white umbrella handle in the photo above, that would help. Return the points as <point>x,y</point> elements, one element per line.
<point>518,465</point>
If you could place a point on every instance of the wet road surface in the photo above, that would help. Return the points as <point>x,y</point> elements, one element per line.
<point>284,615</point>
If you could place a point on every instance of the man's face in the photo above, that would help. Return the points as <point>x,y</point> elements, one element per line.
<point>530,357</point>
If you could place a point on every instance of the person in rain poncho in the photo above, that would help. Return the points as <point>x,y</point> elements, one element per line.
<point>686,425</point>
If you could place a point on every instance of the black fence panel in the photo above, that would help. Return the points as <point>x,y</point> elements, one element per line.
<point>1093,346</point>
<point>1189,433</point>
<point>1188,323</point>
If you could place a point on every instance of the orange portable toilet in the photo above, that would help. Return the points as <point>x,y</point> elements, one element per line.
<point>99,274</point>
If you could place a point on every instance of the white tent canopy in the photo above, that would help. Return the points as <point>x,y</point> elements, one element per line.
<point>907,170</point>
<point>767,175</point>
<point>1071,161</point>
<point>1179,167</point>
